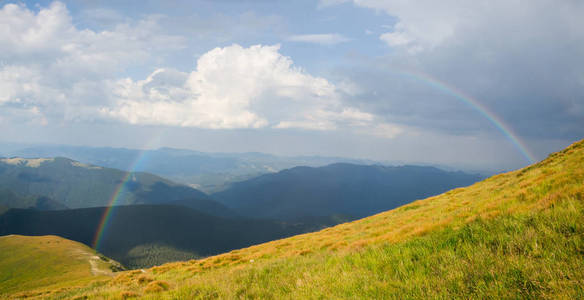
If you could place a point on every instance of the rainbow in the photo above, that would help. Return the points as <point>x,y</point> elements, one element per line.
<point>107,214</point>
<point>475,105</point>
<point>118,191</point>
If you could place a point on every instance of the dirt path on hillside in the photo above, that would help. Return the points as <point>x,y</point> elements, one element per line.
<point>95,270</point>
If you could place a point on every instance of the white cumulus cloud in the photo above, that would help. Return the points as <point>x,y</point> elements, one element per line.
<point>236,87</point>
<point>52,71</point>
<point>49,64</point>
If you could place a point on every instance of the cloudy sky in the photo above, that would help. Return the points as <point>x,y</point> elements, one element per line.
<point>485,84</point>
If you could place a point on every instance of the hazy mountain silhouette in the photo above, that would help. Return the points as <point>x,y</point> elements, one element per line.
<point>77,185</point>
<point>347,189</point>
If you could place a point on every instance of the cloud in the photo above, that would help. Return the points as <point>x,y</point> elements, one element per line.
<point>55,72</point>
<point>62,71</point>
<point>425,23</point>
<point>401,39</point>
<point>385,130</point>
<point>521,61</point>
<point>236,87</point>
<point>396,38</point>
<point>50,37</point>
<point>322,39</point>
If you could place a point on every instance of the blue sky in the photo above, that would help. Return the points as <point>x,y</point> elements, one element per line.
<point>329,77</point>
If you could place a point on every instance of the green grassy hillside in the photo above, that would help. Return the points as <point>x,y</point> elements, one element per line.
<point>514,235</point>
<point>50,262</point>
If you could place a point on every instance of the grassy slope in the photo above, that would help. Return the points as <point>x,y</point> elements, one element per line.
<point>27,263</point>
<point>514,234</point>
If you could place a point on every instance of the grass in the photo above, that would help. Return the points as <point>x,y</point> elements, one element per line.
<point>527,256</point>
<point>514,235</point>
<point>50,262</point>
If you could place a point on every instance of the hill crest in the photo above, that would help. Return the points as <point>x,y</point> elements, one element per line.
<point>27,162</point>
<point>32,262</point>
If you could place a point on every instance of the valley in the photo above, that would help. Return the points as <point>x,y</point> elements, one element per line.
<point>507,227</point>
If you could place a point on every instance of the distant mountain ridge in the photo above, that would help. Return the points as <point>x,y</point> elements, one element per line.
<point>341,188</point>
<point>78,185</point>
<point>208,172</point>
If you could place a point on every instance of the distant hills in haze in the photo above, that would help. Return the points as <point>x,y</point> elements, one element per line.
<point>208,172</point>
<point>336,189</point>
<point>347,189</point>
<point>65,183</point>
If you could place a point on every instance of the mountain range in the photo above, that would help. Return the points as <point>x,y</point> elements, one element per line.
<point>514,235</point>
<point>209,172</point>
<point>71,184</point>
<point>346,189</point>
<point>157,220</point>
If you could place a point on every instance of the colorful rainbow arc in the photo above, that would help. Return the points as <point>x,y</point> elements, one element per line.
<point>475,105</point>
<point>108,213</point>
<point>422,77</point>
<point>101,228</point>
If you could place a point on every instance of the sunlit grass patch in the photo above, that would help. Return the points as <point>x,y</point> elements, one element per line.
<point>43,265</point>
